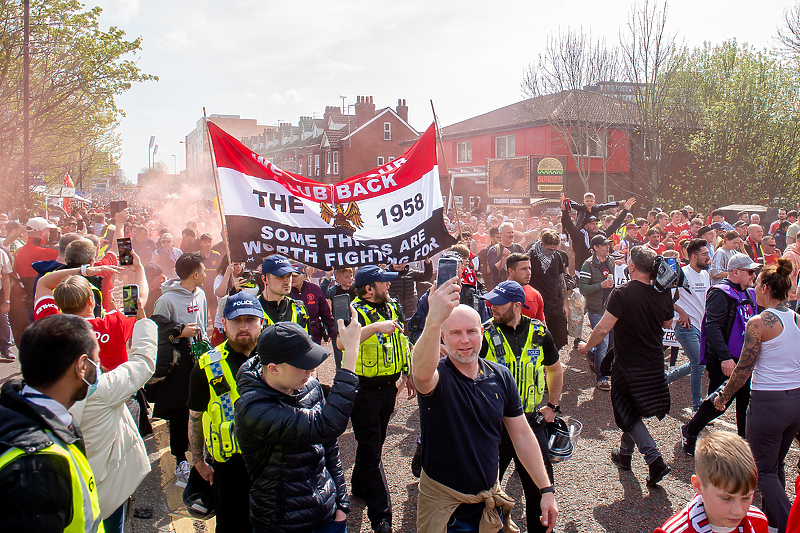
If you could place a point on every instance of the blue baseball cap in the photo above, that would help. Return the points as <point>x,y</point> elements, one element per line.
<point>242,303</point>
<point>277,265</point>
<point>506,291</point>
<point>371,274</point>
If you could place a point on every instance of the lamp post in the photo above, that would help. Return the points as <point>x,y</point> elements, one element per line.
<point>155,151</point>
<point>149,148</point>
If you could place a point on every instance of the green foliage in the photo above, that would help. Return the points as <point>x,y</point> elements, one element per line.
<point>746,147</point>
<point>76,71</point>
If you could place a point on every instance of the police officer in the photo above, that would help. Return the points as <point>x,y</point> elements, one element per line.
<point>527,348</point>
<point>46,483</point>
<point>212,394</point>
<point>276,275</point>
<point>382,359</point>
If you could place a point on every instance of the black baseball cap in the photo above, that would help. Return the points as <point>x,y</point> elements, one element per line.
<point>599,240</point>
<point>288,342</point>
<point>591,219</point>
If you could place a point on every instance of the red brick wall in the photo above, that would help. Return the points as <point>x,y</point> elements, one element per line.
<point>362,150</point>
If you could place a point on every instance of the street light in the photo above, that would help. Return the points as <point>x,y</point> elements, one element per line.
<point>149,148</point>
<point>155,151</point>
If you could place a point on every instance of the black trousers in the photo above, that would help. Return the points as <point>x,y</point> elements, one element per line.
<point>231,490</point>
<point>708,412</point>
<point>371,413</point>
<point>530,490</point>
<point>557,325</point>
<point>178,422</point>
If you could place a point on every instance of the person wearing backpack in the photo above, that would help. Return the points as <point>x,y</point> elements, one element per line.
<point>729,305</point>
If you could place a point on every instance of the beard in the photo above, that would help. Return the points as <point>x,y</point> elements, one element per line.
<point>463,359</point>
<point>243,344</point>
<point>380,299</point>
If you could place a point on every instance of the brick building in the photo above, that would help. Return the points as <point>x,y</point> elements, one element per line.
<point>338,145</point>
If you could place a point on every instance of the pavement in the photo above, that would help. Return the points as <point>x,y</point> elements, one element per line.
<point>592,494</point>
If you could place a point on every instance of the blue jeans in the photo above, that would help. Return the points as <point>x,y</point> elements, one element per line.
<point>114,523</point>
<point>332,527</point>
<point>598,352</point>
<point>689,339</point>
<point>456,525</point>
<point>5,335</point>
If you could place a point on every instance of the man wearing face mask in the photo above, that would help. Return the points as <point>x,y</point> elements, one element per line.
<point>46,483</point>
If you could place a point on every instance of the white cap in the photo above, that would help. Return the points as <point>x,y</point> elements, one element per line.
<point>38,224</point>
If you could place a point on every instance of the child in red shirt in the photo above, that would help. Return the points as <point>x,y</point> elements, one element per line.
<point>724,481</point>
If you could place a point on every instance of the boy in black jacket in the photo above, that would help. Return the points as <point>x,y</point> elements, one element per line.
<point>589,208</point>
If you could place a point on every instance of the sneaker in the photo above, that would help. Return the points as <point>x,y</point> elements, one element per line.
<point>687,441</point>
<point>622,460</point>
<point>604,384</point>
<point>182,474</point>
<point>416,462</point>
<point>658,469</point>
<point>383,527</point>
<point>9,355</point>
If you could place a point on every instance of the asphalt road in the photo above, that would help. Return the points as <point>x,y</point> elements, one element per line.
<point>592,494</point>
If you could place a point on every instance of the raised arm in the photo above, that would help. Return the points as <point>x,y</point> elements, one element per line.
<point>49,282</point>
<point>425,358</point>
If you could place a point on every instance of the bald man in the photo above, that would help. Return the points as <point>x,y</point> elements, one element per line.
<point>464,398</point>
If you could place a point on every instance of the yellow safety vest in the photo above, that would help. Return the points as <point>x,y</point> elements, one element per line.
<point>299,314</point>
<point>528,368</point>
<point>381,355</point>
<point>86,516</point>
<point>218,417</point>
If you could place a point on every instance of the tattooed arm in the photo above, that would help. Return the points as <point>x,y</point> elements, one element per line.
<point>765,326</point>
<point>196,444</point>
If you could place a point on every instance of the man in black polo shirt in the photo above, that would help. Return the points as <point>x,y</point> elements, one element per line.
<point>466,399</point>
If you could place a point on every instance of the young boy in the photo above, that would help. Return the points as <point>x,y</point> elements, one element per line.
<point>588,208</point>
<point>724,481</point>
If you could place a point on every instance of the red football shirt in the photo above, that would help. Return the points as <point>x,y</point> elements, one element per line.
<point>533,299</point>
<point>112,330</point>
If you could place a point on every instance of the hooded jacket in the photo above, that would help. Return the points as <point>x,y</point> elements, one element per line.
<point>35,489</point>
<point>180,305</point>
<point>290,447</point>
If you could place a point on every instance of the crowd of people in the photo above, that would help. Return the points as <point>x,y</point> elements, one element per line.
<point>228,357</point>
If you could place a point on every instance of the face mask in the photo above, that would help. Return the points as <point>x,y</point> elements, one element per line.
<point>98,373</point>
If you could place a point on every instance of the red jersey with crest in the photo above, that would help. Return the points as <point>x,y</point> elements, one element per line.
<point>693,519</point>
<point>112,330</point>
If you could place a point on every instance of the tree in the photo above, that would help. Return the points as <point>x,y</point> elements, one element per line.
<point>789,34</point>
<point>747,145</point>
<point>76,72</point>
<point>652,62</point>
<point>571,63</point>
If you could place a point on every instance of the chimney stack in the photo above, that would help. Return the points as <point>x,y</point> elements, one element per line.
<point>365,110</point>
<point>402,110</point>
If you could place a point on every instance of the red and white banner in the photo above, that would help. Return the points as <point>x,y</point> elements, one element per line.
<point>392,213</point>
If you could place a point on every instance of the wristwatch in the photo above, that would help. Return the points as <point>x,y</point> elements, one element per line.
<point>545,490</point>
<point>555,408</point>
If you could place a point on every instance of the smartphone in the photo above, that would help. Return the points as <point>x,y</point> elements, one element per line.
<point>125,251</point>
<point>130,300</point>
<point>249,279</point>
<point>341,308</point>
<point>447,269</point>
<point>117,206</point>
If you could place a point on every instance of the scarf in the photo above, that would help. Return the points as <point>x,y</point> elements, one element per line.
<point>544,255</point>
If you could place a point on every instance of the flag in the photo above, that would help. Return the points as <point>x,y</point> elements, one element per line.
<point>392,213</point>
<point>67,183</point>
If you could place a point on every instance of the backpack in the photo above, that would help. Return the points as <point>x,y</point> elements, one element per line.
<point>741,307</point>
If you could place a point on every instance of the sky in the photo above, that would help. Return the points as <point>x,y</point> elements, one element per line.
<point>277,60</point>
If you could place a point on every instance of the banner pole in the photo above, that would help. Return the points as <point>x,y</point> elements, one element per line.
<point>216,186</point>
<point>452,202</point>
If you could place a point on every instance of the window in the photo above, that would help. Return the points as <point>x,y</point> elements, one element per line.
<point>391,159</point>
<point>336,163</point>
<point>387,131</point>
<point>464,152</point>
<point>590,144</point>
<point>327,163</point>
<point>316,164</point>
<point>504,147</point>
<point>652,149</point>
<point>300,165</point>
<point>610,198</point>
<point>309,165</point>
<point>380,161</point>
